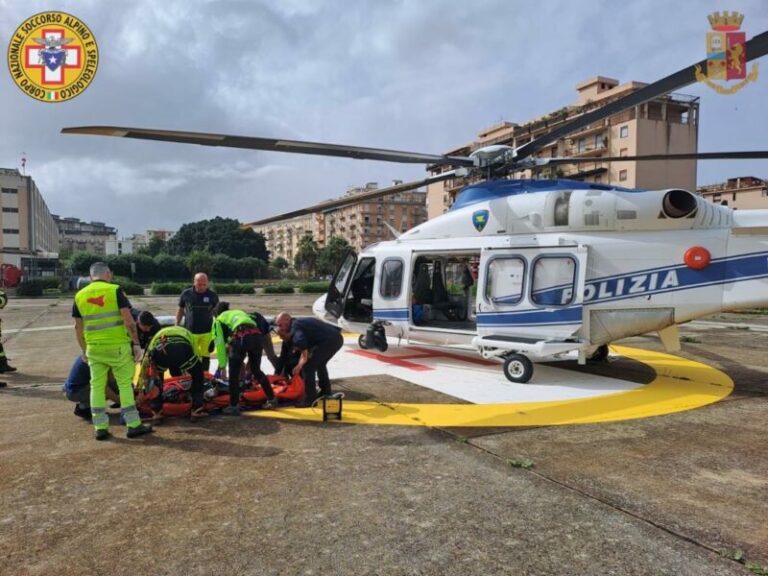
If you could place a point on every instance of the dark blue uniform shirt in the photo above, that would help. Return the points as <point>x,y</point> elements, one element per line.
<point>306,333</point>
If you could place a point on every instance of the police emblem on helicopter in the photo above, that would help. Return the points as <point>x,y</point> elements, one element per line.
<point>480,219</point>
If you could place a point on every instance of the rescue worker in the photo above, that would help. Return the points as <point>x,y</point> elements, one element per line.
<point>4,366</point>
<point>266,338</point>
<point>318,342</point>
<point>147,326</point>
<point>236,336</point>
<point>105,330</point>
<point>173,349</point>
<point>195,306</point>
<point>77,388</point>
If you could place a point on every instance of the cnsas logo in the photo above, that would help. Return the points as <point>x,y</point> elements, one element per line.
<point>53,56</point>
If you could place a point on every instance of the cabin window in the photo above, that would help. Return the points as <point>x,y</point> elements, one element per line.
<point>553,280</point>
<point>391,278</point>
<point>505,280</point>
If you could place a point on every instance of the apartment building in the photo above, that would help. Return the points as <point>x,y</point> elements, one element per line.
<point>76,235</point>
<point>668,124</point>
<point>359,223</point>
<point>741,193</point>
<point>30,238</point>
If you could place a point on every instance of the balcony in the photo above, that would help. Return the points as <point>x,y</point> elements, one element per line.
<point>588,151</point>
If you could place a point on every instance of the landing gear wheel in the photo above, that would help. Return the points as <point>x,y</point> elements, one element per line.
<point>381,344</point>
<point>517,368</point>
<point>600,355</point>
<point>361,342</point>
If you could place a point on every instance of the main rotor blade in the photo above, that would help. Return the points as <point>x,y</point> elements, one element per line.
<point>357,198</point>
<point>272,144</point>
<point>756,155</point>
<point>755,48</point>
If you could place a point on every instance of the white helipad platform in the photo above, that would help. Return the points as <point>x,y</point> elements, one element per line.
<point>465,375</point>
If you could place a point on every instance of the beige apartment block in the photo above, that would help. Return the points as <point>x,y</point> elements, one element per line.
<point>76,235</point>
<point>282,236</point>
<point>666,125</point>
<point>29,237</point>
<point>742,193</point>
<point>359,223</point>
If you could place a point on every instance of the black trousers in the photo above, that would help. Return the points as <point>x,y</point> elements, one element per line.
<point>316,366</point>
<point>179,357</point>
<point>240,346</point>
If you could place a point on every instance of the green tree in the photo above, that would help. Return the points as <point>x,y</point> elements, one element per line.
<point>171,267</point>
<point>305,260</point>
<point>80,262</point>
<point>155,246</point>
<point>329,258</point>
<point>145,267</point>
<point>280,263</point>
<point>218,236</point>
<point>200,261</point>
<point>250,268</point>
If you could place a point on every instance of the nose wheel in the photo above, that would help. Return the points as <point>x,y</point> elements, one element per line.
<point>517,368</point>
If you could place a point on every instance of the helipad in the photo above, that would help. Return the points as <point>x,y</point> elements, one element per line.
<point>554,396</point>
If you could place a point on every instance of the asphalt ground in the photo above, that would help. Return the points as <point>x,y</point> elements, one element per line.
<point>685,493</point>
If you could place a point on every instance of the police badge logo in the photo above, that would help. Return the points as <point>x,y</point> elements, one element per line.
<point>480,219</point>
<point>726,54</point>
<point>53,56</point>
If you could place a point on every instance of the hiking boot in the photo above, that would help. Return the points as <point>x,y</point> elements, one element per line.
<point>103,435</point>
<point>139,431</point>
<point>84,413</point>
<point>4,366</point>
<point>270,404</point>
<point>231,411</point>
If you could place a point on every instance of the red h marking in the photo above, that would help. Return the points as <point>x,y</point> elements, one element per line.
<point>420,354</point>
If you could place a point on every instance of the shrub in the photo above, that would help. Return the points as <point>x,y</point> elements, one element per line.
<point>313,288</point>
<point>279,289</point>
<point>233,288</point>
<point>169,288</point>
<point>129,286</point>
<point>30,288</point>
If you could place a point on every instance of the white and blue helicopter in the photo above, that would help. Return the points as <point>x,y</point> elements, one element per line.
<point>529,270</point>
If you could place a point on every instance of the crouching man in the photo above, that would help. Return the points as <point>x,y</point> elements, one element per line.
<point>173,349</point>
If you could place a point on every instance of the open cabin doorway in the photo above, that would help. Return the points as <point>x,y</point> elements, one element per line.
<point>444,290</point>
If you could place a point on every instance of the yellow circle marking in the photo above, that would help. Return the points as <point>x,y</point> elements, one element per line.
<point>52,56</point>
<point>680,384</point>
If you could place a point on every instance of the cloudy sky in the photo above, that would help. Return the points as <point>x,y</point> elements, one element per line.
<point>419,75</point>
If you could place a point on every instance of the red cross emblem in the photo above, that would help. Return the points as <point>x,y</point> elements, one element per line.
<point>33,58</point>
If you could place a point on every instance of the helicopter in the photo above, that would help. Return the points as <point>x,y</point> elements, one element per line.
<point>526,270</point>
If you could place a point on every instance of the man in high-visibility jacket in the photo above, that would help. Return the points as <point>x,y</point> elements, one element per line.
<point>105,331</point>
<point>173,349</point>
<point>236,336</point>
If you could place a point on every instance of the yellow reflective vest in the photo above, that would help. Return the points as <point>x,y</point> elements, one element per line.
<point>102,321</point>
